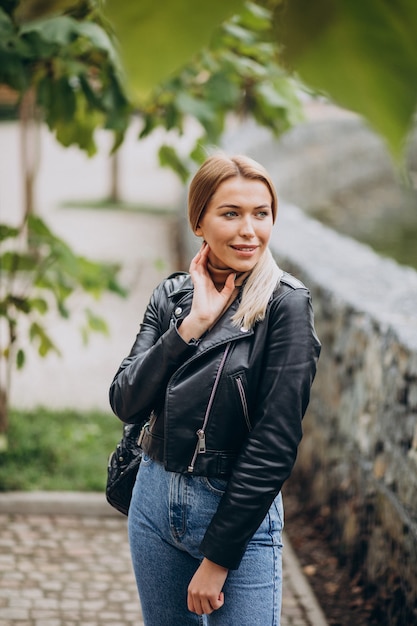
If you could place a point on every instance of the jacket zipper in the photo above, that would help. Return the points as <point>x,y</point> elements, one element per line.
<point>201,432</point>
<point>243,401</point>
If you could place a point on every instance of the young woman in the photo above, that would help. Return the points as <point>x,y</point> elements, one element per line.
<point>222,368</point>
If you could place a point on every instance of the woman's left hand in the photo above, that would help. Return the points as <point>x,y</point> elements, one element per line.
<point>205,593</point>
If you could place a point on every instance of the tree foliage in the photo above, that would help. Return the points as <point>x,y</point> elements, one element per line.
<point>65,69</point>
<point>71,63</point>
<point>40,276</point>
<point>361,54</point>
<point>158,38</point>
<point>238,72</point>
<point>39,273</point>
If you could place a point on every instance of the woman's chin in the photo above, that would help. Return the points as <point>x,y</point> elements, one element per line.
<point>242,267</point>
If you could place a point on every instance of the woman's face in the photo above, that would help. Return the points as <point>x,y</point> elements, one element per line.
<point>237,223</point>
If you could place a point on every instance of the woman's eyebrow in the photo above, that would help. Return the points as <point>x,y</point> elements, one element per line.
<point>227,205</point>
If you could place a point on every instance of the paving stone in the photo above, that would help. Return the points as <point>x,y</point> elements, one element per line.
<point>66,574</point>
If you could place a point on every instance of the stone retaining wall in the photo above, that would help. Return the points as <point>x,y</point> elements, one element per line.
<point>358,459</point>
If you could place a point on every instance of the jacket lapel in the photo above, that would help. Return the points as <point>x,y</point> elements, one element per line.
<point>222,332</point>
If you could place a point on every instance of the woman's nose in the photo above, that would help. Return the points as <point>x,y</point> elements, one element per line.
<point>246,227</point>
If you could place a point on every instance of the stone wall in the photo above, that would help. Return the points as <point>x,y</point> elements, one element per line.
<point>358,458</point>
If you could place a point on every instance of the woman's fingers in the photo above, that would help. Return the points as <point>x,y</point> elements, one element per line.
<point>205,589</point>
<point>205,606</point>
<point>200,259</point>
<point>229,285</point>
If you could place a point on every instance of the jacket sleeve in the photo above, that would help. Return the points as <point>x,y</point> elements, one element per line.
<point>140,382</point>
<point>269,453</point>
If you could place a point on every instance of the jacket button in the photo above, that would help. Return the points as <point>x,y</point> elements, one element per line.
<point>178,311</point>
<point>244,330</point>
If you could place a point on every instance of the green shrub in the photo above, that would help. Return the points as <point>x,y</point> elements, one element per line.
<point>58,450</point>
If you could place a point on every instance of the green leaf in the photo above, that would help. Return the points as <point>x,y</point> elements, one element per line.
<point>14,261</point>
<point>21,304</point>
<point>198,108</point>
<point>222,92</point>
<point>38,304</point>
<point>59,99</point>
<point>7,29</point>
<point>276,105</point>
<point>363,54</point>
<point>238,32</point>
<point>20,359</point>
<point>168,157</point>
<point>58,31</point>
<point>38,335</point>
<point>157,38</point>
<point>80,129</point>
<point>13,72</point>
<point>199,153</point>
<point>246,66</point>
<point>96,323</point>
<point>37,226</point>
<point>255,17</point>
<point>98,38</point>
<point>7,232</point>
<point>13,53</point>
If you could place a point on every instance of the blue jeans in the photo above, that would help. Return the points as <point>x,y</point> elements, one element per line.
<point>168,516</point>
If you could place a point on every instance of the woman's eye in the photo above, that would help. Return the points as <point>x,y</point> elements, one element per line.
<point>230,214</point>
<point>262,214</point>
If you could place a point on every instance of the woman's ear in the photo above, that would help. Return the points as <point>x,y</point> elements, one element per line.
<point>198,231</point>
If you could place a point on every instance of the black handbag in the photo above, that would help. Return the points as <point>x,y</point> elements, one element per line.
<point>123,467</point>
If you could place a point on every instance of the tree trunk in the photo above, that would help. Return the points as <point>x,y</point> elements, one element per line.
<point>29,146</point>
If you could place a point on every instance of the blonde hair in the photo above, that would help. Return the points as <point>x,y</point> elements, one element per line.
<point>264,277</point>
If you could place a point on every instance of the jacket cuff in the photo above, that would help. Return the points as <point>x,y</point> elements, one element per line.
<point>229,558</point>
<point>192,342</point>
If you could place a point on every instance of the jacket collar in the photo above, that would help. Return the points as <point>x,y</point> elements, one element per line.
<point>223,331</point>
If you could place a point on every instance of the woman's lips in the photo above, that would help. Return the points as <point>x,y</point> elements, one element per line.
<point>244,249</point>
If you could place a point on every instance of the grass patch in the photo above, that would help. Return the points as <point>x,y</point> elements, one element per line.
<point>63,450</point>
<point>108,205</point>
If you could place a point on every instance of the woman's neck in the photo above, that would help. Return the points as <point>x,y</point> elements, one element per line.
<point>219,275</point>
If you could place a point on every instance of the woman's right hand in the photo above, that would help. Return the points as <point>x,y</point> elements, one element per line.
<point>208,303</point>
<point>205,593</point>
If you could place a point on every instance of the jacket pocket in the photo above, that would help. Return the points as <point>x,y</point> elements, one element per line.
<point>239,382</point>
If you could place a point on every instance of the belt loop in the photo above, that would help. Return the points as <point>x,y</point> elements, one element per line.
<point>142,434</point>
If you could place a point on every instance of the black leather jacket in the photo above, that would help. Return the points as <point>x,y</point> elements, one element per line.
<point>252,429</point>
